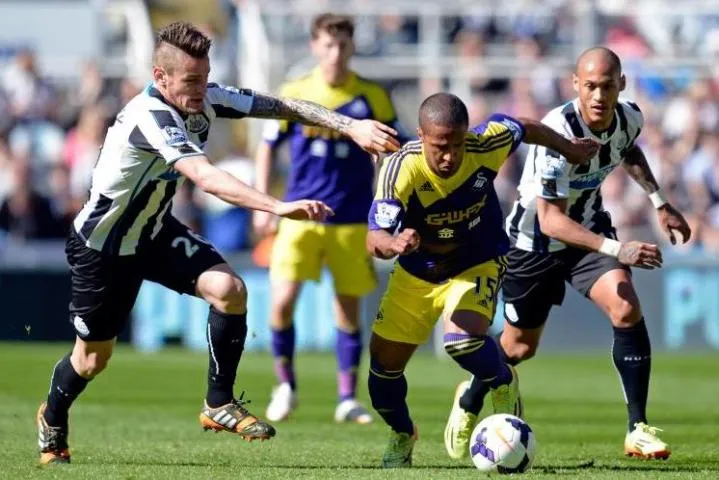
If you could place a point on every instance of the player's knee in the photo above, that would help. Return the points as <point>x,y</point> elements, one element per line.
<point>91,363</point>
<point>229,295</point>
<point>624,314</point>
<point>284,308</point>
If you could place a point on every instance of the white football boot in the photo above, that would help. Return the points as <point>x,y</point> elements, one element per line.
<point>283,403</point>
<point>351,410</point>
<point>643,442</point>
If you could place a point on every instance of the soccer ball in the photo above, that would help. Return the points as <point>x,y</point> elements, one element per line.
<point>503,443</point>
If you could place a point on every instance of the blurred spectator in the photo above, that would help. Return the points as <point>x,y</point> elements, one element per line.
<point>24,213</point>
<point>82,148</point>
<point>64,204</point>
<point>31,97</point>
<point>701,174</point>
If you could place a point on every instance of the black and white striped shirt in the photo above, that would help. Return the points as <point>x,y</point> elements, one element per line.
<point>547,174</point>
<point>134,180</point>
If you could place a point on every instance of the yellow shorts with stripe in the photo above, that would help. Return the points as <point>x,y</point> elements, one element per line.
<point>411,306</point>
<point>302,248</point>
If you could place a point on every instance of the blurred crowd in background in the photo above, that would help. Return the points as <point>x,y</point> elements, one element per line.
<point>51,135</point>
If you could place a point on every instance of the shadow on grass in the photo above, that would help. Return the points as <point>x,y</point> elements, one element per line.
<point>645,467</point>
<point>567,469</point>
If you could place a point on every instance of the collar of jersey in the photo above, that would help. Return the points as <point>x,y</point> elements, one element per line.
<point>318,79</point>
<point>606,134</point>
<point>442,184</point>
<point>153,91</point>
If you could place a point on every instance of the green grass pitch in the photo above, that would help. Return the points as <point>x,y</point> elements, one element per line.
<point>139,419</point>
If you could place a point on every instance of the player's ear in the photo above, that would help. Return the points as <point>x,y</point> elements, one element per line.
<point>622,83</point>
<point>575,82</point>
<point>158,75</point>
<point>419,133</point>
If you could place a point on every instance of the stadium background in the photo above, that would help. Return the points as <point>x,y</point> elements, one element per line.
<point>67,66</point>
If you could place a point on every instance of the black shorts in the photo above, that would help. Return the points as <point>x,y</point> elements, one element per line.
<point>104,287</point>
<point>534,282</point>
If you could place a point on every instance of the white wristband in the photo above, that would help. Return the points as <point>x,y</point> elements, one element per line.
<point>658,199</point>
<point>610,247</point>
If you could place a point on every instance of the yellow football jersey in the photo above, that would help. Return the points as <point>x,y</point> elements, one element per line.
<point>459,218</point>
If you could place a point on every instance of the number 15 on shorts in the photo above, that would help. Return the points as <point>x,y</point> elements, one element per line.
<point>485,289</point>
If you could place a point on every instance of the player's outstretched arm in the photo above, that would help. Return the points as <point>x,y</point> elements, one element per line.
<point>384,245</point>
<point>576,151</point>
<point>556,224</point>
<point>636,165</point>
<point>372,136</point>
<point>217,182</point>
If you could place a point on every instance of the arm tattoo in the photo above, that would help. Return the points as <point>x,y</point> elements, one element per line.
<point>300,111</point>
<point>635,163</point>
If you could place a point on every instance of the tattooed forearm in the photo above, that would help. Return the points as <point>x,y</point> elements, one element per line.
<point>300,111</point>
<point>635,163</point>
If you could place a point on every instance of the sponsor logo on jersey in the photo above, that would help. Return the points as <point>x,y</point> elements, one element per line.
<point>197,123</point>
<point>456,216</point>
<point>592,179</point>
<point>445,233</point>
<point>386,215</point>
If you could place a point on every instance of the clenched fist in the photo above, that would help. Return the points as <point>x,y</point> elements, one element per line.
<point>406,242</point>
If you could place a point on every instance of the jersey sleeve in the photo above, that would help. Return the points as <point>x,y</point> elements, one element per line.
<point>551,169</point>
<point>230,102</point>
<point>163,131</point>
<point>393,191</point>
<point>277,131</point>
<point>635,121</point>
<point>499,136</point>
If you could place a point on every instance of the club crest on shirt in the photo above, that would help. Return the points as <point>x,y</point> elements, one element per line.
<point>197,123</point>
<point>480,182</point>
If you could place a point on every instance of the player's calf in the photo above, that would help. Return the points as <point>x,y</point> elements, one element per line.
<point>388,392</point>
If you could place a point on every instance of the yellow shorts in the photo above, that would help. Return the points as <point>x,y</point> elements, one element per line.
<point>411,306</point>
<point>302,248</point>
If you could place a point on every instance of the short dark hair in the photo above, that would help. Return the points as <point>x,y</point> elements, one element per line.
<point>332,24</point>
<point>443,109</point>
<point>186,37</point>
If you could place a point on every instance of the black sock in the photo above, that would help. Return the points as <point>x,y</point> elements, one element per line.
<point>472,399</point>
<point>226,335</point>
<point>388,392</point>
<point>66,384</point>
<point>631,352</point>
